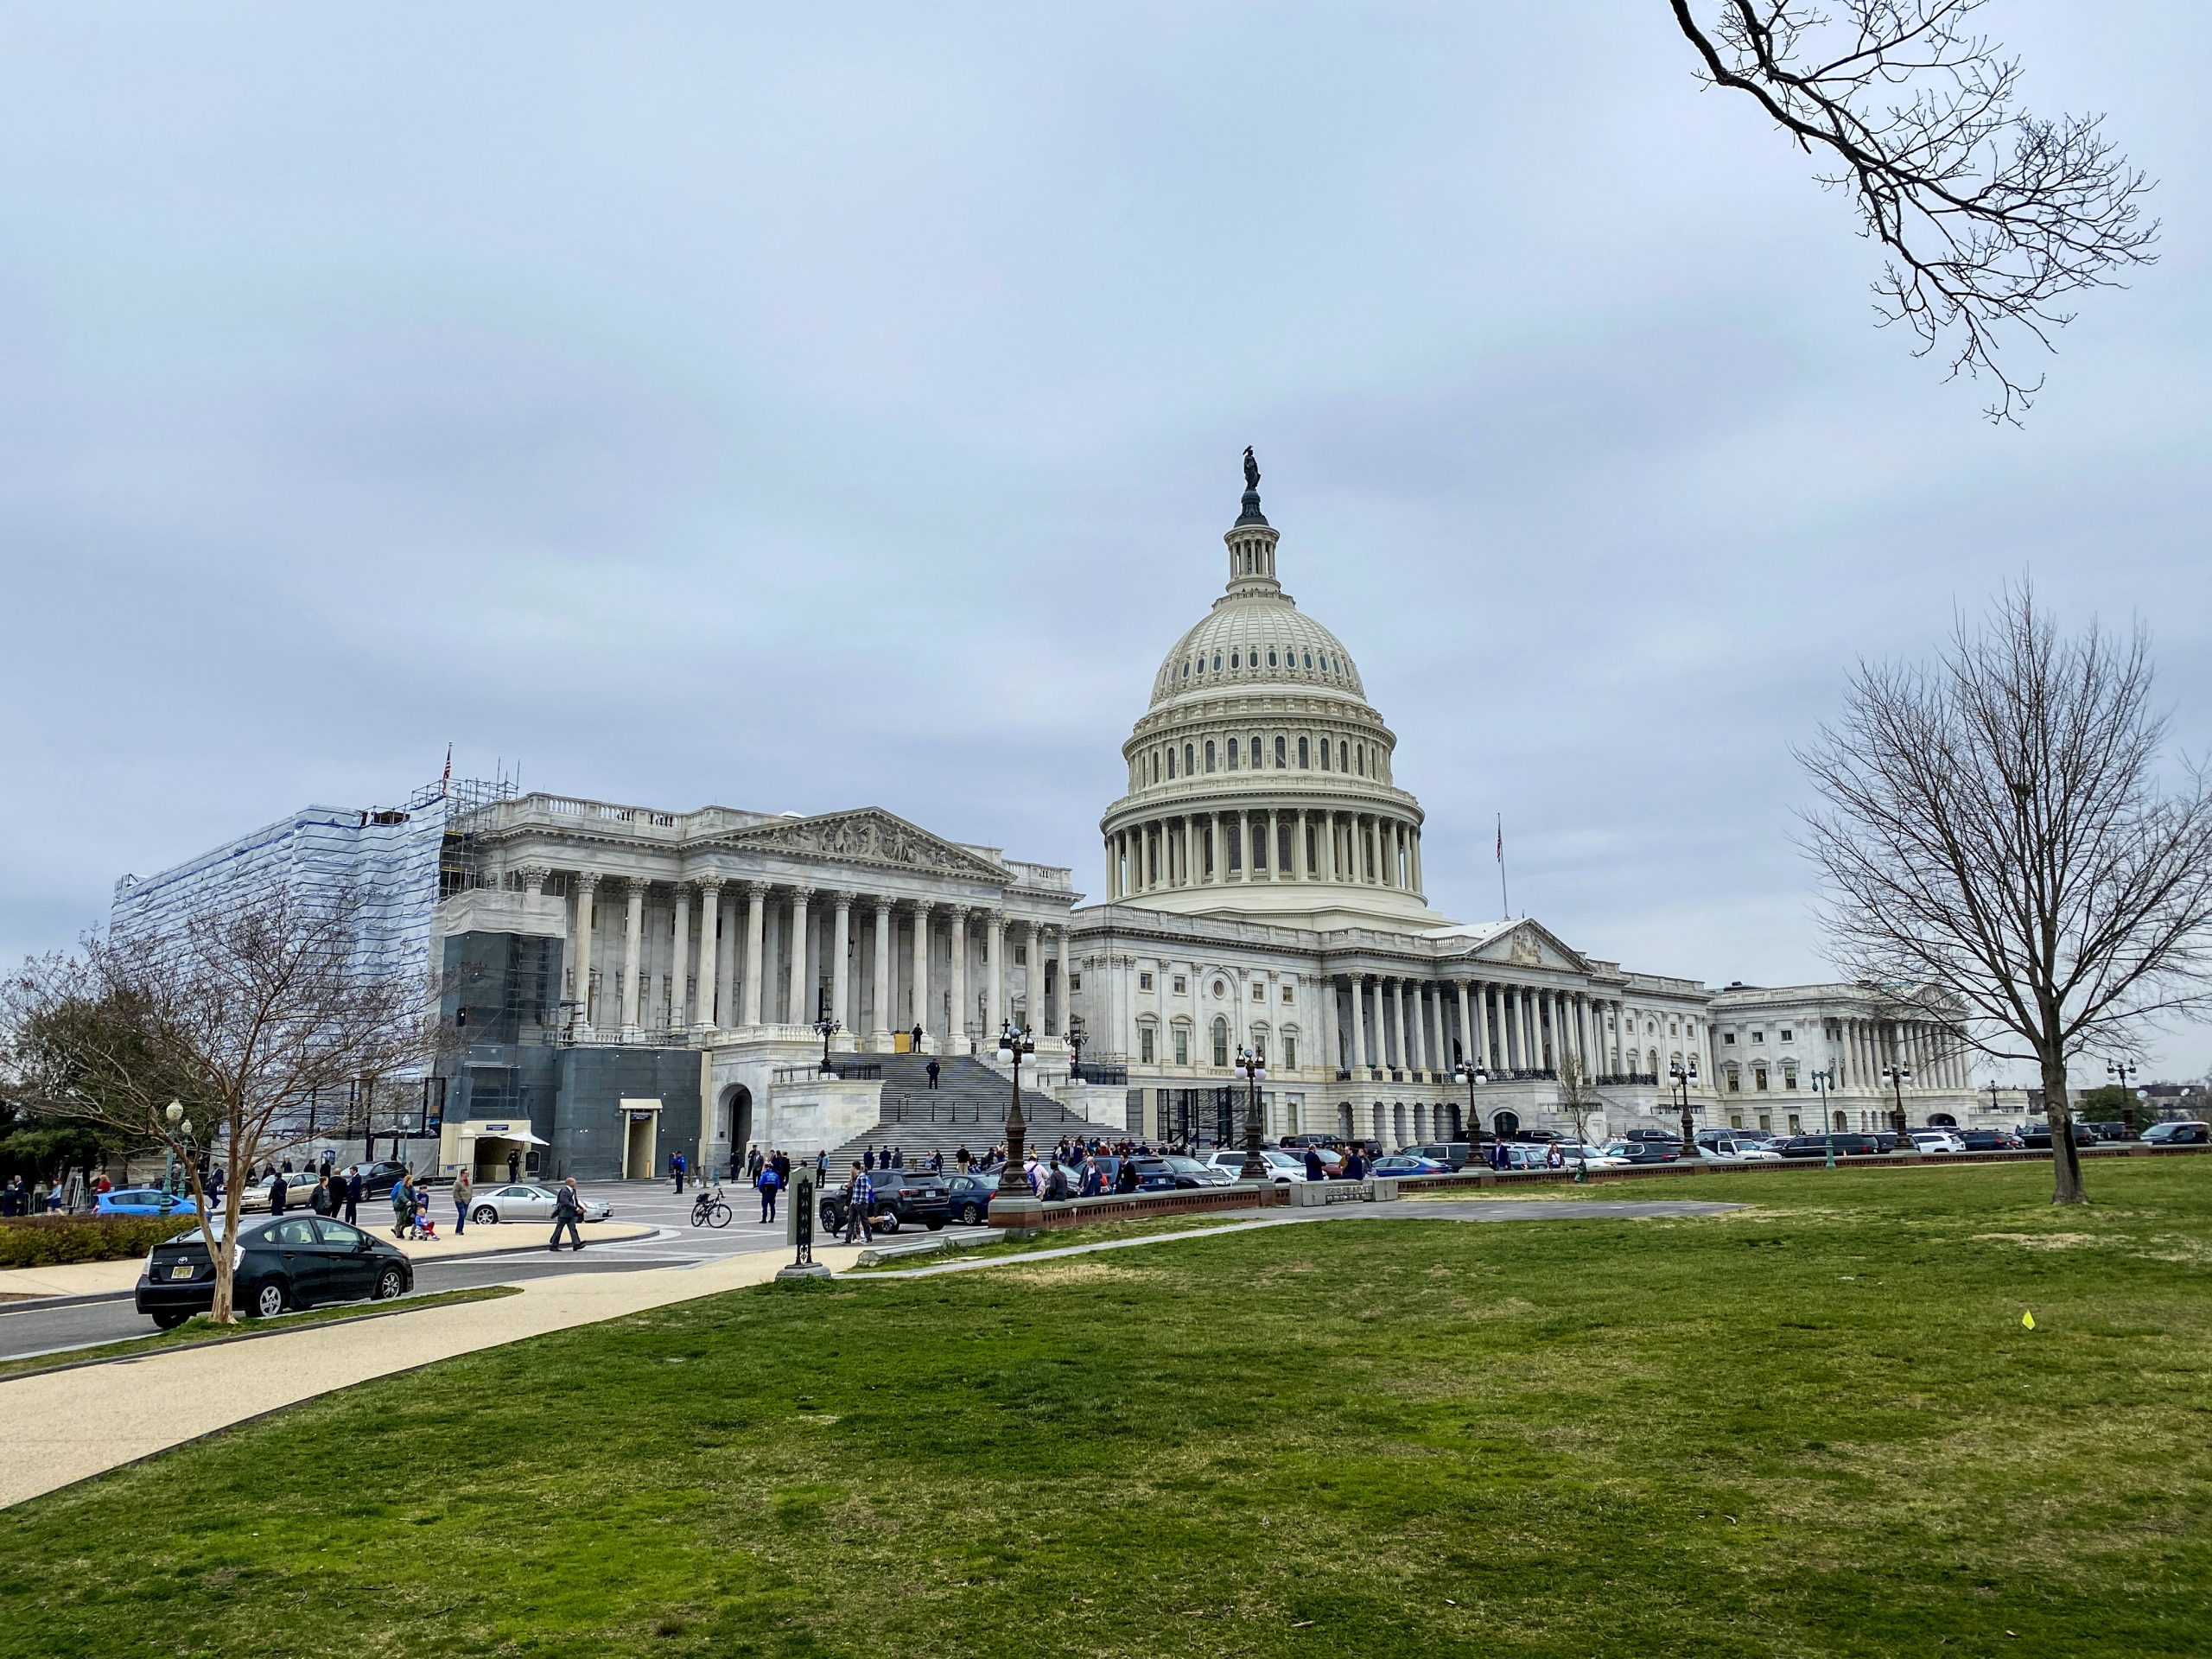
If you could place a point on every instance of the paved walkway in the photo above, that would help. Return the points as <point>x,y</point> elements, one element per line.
<point>64,1426</point>
<point>105,1278</point>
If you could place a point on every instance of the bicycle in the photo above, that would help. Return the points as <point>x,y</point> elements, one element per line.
<point>707,1210</point>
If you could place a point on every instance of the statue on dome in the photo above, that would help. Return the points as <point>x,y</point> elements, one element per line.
<point>1251,470</point>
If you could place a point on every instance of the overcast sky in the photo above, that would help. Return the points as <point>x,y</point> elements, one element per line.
<point>805,407</point>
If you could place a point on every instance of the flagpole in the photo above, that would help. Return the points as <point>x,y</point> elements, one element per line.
<point>1504,902</point>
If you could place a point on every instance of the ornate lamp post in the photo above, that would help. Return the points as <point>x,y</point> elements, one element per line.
<point>825,1029</point>
<point>1896,1076</point>
<point>1991,1086</point>
<point>2121,1071</point>
<point>1075,1050</point>
<point>1254,1167</point>
<point>1822,1082</point>
<point>1682,1076</point>
<point>1474,1076</point>
<point>174,1114</point>
<point>1015,1205</point>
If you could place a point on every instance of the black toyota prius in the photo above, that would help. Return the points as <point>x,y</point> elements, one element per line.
<point>284,1261</point>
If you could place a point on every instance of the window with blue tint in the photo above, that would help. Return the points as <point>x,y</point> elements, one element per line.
<point>1271,657</point>
<point>1216,662</point>
<point>1309,660</point>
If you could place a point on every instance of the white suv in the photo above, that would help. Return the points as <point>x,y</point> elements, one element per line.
<point>1282,1168</point>
<point>1936,1141</point>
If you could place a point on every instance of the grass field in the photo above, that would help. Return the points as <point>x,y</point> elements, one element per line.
<point>1816,1426</point>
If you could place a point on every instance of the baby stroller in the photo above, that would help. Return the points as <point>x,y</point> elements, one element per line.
<point>425,1225</point>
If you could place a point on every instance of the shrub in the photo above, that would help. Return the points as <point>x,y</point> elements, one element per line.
<point>46,1241</point>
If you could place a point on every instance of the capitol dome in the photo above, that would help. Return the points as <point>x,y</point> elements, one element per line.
<point>1259,776</point>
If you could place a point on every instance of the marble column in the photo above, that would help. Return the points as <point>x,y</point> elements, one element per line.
<point>1067,1003</point>
<point>956,933</point>
<point>586,890</point>
<point>994,1017</point>
<point>879,1028</point>
<point>798,1010</point>
<point>921,969</point>
<point>1470,1045</point>
<point>1398,1025</point>
<point>633,925</point>
<point>710,948</point>
<point>1218,837</point>
<point>756,916</point>
<point>1358,1025</point>
<point>841,939</point>
<point>679,1002</point>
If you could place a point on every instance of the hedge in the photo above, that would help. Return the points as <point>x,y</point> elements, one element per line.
<point>46,1241</point>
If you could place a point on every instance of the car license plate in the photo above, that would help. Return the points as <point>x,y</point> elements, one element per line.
<point>181,1270</point>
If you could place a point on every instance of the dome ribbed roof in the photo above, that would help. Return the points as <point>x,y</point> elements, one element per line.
<point>1248,642</point>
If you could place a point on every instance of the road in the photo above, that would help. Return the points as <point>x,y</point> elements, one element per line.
<point>46,1328</point>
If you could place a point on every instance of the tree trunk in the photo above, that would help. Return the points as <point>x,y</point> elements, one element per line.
<point>2065,1158</point>
<point>224,1255</point>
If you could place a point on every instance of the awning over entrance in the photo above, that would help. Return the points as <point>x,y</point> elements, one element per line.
<point>519,1133</point>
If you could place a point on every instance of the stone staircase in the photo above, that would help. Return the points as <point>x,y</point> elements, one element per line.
<point>967,1109</point>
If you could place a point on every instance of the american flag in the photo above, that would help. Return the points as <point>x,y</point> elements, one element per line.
<point>1501,838</point>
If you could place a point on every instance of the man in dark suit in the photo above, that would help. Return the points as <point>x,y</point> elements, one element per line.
<point>277,1194</point>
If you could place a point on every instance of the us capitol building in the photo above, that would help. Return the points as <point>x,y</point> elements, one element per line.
<point>624,980</point>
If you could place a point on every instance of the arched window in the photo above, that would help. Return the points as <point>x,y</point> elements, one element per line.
<point>1155,766</point>
<point>1359,759</point>
<point>1232,755</point>
<point>1309,662</point>
<point>1209,754</point>
<point>1221,1042</point>
<point>1325,754</point>
<point>1171,763</point>
<point>1303,762</point>
<point>1187,756</point>
<point>1259,754</point>
<point>1216,662</point>
<point>1282,751</point>
<point>1186,668</point>
<point>1236,658</point>
<point>1344,758</point>
<point>1271,656</point>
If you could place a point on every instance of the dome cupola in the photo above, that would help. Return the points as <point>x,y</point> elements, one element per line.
<point>1259,776</point>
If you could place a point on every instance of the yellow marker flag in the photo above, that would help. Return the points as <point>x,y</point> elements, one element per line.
<point>2028,1319</point>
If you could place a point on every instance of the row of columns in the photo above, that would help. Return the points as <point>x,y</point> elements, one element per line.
<point>1499,1025</point>
<point>1931,1052</point>
<point>714,987</point>
<point>1192,849</point>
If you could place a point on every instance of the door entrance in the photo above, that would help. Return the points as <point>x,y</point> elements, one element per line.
<point>640,1141</point>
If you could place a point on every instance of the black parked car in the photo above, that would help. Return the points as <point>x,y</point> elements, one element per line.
<point>2035,1137</point>
<point>1848,1144</point>
<point>1165,1174</point>
<point>904,1197</point>
<point>1988,1140</point>
<point>969,1196</point>
<point>289,1262</point>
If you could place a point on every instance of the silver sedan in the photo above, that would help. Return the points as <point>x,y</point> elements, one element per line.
<point>520,1201</point>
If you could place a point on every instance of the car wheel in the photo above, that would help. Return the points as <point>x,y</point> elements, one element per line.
<point>170,1320</point>
<point>484,1215</point>
<point>390,1283</point>
<point>890,1225</point>
<point>269,1300</point>
<point>829,1215</point>
<point>970,1215</point>
<point>934,1225</point>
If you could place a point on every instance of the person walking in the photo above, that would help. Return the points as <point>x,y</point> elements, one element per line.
<point>318,1200</point>
<point>567,1210</point>
<point>753,1162</point>
<point>464,1194</point>
<point>867,1159</point>
<point>932,1071</point>
<point>782,1160</point>
<point>354,1192</point>
<point>898,1158</point>
<point>277,1194</point>
<point>770,1184</point>
<point>403,1203</point>
<point>860,1195</point>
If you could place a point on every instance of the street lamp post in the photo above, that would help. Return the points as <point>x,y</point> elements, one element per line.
<point>1991,1086</point>
<point>1822,1082</point>
<point>1254,1167</point>
<point>1075,1050</point>
<point>825,1029</point>
<point>1015,1206</point>
<point>175,1113</point>
<point>1682,1076</point>
<point>1896,1076</point>
<point>2120,1071</point>
<point>1474,1076</point>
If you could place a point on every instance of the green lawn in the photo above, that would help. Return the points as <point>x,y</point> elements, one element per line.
<point>1816,1426</point>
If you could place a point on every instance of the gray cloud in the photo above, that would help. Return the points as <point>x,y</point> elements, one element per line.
<point>796,409</point>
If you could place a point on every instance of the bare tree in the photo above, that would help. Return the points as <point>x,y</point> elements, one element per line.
<point>1578,1094</point>
<point>1992,218</point>
<point>240,1015</point>
<point>1996,830</point>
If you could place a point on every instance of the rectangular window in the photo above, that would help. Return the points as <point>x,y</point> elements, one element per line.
<point>1759,1036</point>
<point>1735,1120</point>
<point>1075,981</point>
<point>1766,1121</point>
<point>1787,1035</point>
<point>1182,1045</point>
<point>1181,985</point>
<point>1795,1127</point>
<point>1259,992</point>
<point>1290,1056</point>
<point>1144,982</point>
<point>1020,955</point>
<point>1728,1038</point>
<point>1144,1044</point>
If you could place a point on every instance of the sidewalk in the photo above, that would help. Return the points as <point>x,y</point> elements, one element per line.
<point>65,1426</point>
<point>104,1278</point>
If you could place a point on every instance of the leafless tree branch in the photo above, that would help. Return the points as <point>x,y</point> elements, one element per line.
<point>1993,218</point>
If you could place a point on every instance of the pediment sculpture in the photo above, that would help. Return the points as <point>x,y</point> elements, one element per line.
<point>869,838</point>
